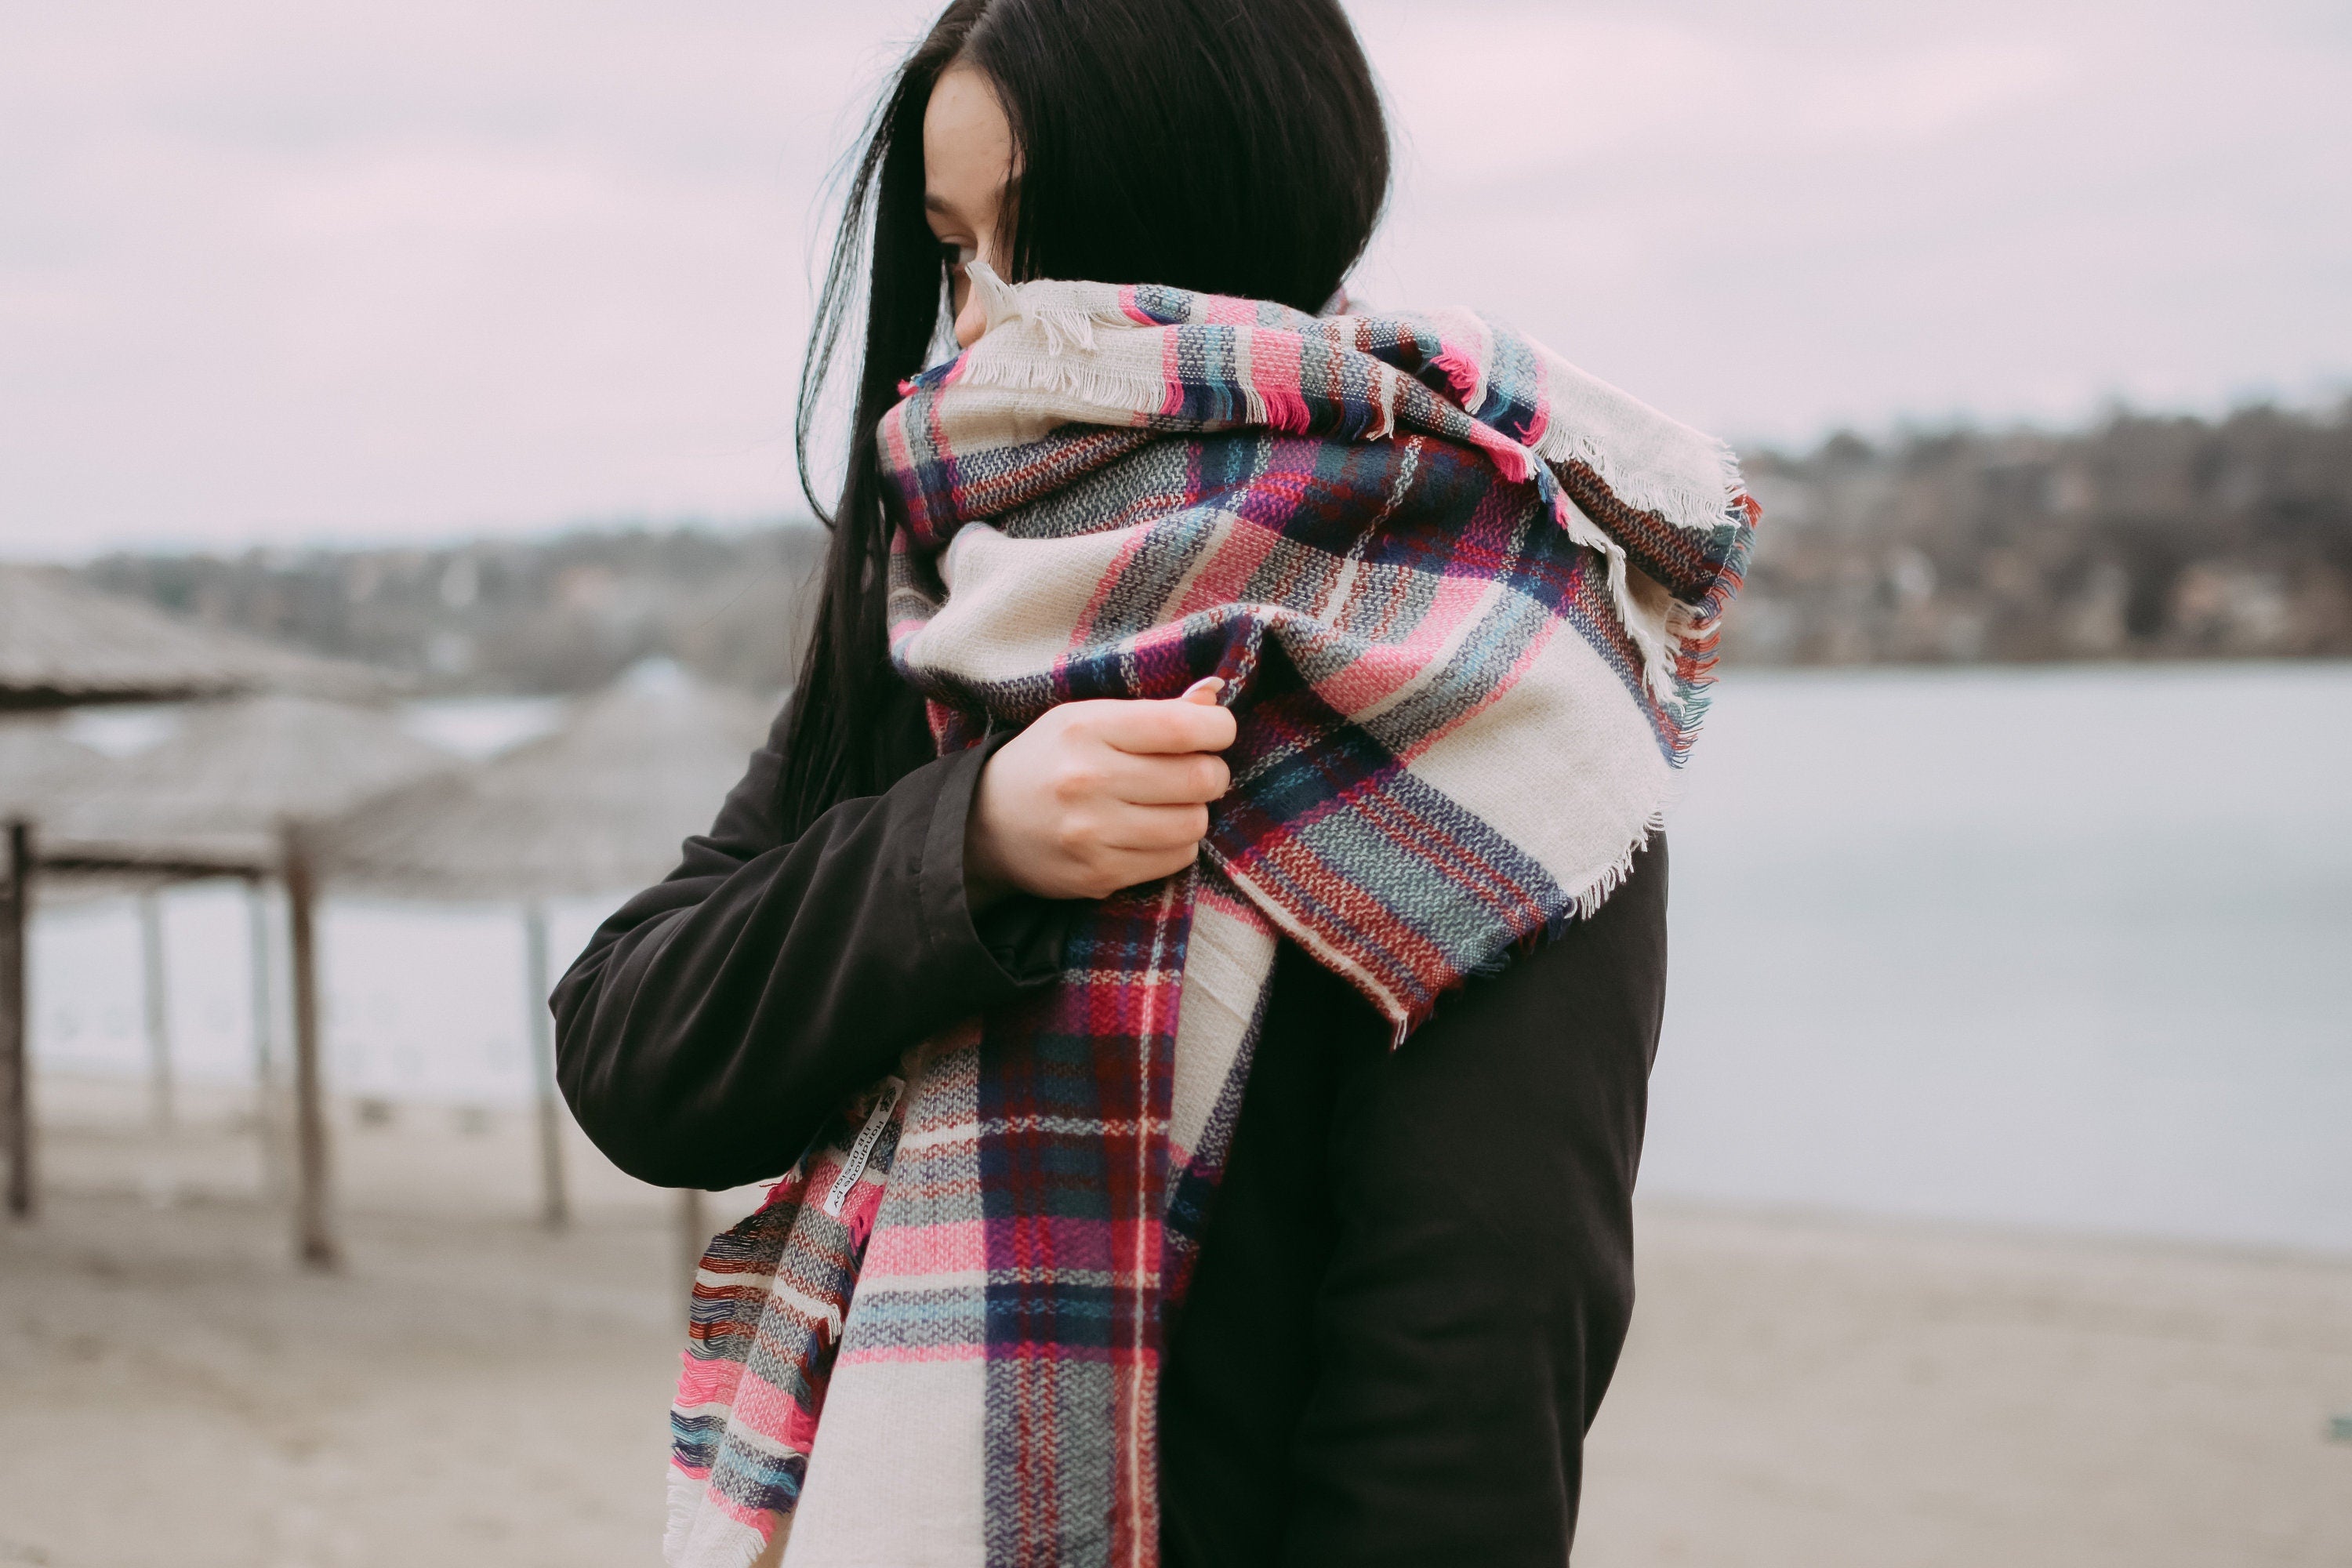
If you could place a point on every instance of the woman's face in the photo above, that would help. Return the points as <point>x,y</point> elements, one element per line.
<point>967,164</point>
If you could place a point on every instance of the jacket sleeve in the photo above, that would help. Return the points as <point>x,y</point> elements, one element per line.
<point>720,1016</point>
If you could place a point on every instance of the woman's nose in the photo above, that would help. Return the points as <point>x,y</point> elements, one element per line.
<point>972,318</point>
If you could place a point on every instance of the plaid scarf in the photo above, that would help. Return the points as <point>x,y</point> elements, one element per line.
<point>1464,600</point>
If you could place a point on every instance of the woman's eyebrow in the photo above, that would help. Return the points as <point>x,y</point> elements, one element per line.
<point>934,203</point>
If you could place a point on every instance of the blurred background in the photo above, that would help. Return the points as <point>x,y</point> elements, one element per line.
<point>395,441</point>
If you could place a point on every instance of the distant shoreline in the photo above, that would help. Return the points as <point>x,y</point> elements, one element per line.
<point>2145,539</point>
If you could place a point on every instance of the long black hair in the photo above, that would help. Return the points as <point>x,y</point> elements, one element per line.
<point>1228,146</point>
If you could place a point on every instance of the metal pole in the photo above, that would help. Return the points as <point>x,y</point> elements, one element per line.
<point>157,992</point>
<point>15,1021</point>
<point>267,1114</point>
<point>314,1240</point>
<point>555,1207</point>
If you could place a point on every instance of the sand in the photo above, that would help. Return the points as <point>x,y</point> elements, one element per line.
<point>1847,1394</point>
<point>1800,1392</point>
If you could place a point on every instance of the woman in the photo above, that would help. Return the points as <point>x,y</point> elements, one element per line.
<point>1260,952</point>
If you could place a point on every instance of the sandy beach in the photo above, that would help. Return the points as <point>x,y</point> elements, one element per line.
<point>1799,1390</point>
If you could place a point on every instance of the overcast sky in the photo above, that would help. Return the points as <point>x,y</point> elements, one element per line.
<point>278,273</point>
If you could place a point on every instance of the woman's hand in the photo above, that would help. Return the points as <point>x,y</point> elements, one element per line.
<point>1096,797</point>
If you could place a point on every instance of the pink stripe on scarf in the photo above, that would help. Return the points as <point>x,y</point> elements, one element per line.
<point>1273,377</point>
<point>918,1249</point>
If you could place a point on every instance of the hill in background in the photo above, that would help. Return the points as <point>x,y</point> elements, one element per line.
<point>2169,537</point>
<point>565,614</point>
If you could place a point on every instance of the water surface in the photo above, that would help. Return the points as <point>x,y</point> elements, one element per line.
<point>2062,948</point>
<point>2067,947</point>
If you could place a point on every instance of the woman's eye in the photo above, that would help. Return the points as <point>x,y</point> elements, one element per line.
<point>956,254</point>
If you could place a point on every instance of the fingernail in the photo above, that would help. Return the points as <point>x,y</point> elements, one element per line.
<point>1209,683</point>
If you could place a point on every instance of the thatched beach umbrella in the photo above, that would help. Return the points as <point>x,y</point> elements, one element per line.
<point>211,798</point>
<point>597,807</point>
<point>216,800</point>
<point>63,645</point>
<point>40,764</point>
<point>39,767</point>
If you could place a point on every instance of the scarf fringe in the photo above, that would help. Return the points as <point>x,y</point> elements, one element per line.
<point>684,1500</point>
<point>1680,504</point>
<point>1061,376</point>
<point>1071,325</point>
<point>696,1532</point>
<point>1596,891</point>
<point>1068,331</point>
<point>1657,665</point>
<point>1678,659</point>
<point>1065,325</point>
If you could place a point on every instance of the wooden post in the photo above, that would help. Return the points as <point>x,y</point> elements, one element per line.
<point>314,1240</point>
<point>269,1119</point>
<point>156,991</point>
<point>693,1235</point>
<point>555,1207</point>
<point>17,1020</point>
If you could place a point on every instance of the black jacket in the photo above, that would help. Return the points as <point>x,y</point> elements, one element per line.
<point>1418,1272</point>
